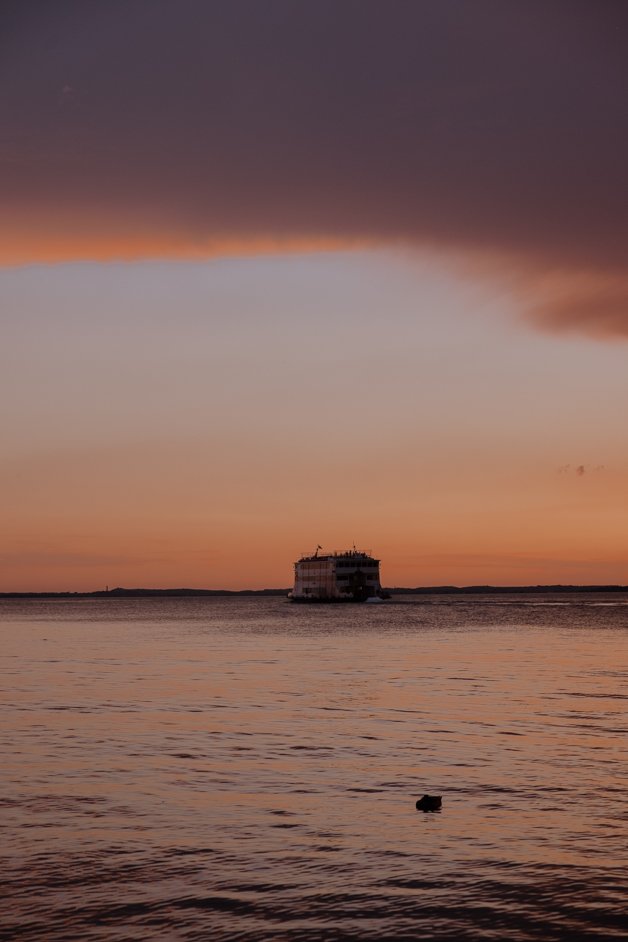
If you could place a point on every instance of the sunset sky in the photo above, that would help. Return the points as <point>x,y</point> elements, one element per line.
<point>278,274</point>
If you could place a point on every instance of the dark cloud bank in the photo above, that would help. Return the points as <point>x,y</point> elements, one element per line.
<point>491,127</point>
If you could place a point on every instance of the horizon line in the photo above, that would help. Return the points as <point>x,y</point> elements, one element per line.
<point>122,592</point>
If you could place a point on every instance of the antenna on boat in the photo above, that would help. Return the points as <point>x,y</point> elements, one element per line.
<point>317,549</point>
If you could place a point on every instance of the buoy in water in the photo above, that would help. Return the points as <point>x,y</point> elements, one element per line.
<point>429,803</point>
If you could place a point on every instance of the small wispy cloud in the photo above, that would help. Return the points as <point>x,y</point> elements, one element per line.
<point>579,470</point>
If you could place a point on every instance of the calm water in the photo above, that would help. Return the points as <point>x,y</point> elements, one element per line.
<point>245,769</point>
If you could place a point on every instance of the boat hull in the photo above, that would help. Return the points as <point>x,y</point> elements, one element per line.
<point>329,601</point>
<point>346,600</point>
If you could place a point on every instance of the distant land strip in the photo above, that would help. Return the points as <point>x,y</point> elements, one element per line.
<point>121,593</point>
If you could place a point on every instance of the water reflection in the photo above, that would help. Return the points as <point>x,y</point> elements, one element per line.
<point>246,769</point>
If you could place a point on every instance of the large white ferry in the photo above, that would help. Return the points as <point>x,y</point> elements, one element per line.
<point>351,576</point>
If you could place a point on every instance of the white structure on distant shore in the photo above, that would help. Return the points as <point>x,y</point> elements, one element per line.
<point>351,576</point>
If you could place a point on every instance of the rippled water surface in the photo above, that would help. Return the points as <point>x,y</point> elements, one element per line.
<point>240,768</point>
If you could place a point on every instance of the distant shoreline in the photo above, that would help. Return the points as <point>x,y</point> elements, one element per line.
<point>121,593</point>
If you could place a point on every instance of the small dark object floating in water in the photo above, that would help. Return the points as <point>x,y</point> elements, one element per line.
<point>429,803</point>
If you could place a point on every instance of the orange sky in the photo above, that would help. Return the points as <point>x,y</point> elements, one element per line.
<point>203,423</point>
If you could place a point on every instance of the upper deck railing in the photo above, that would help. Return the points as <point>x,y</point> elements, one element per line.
<point>354,555</point>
